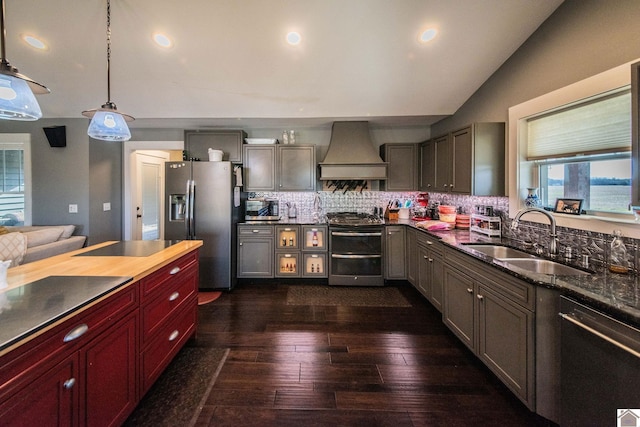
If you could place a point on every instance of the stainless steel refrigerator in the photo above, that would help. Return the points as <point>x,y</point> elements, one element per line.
<point>200,206</point>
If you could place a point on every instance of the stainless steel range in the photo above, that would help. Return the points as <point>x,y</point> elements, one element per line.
<point>355,245</point>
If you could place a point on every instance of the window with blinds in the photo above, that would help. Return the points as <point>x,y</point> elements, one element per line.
<point>601,125</point>
<point>583,151</point>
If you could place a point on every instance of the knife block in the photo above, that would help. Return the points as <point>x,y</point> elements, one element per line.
<point>391,213</point>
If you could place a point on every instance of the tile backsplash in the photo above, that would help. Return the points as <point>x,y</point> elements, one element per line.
<point>582,242</point>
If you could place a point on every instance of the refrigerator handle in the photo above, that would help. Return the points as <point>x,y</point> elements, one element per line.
<point>187,213</point>
<point>192,213</point>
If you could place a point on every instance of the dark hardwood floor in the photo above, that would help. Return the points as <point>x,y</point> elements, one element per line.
<point>345,366</point>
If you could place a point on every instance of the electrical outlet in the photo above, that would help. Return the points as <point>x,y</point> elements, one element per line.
<point>73,208</point>
<point>106,206</point>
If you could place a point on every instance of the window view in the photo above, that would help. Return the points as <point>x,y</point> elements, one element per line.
<point>583,151</point>
<point>603,184</point>
<point>12,188</point>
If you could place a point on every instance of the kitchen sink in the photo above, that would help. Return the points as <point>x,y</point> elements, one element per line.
<point>499,251</point>
<point>544,266</point>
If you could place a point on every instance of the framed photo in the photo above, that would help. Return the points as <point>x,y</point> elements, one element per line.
<point>569,206</point>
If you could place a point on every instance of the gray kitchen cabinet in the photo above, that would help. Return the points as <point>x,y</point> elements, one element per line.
<point>259,167</point>
<point>229,141</point>
<point>471,160</point>
<point>443,163</point>
<point>255,251</point>
<point>430,269</point>
<point>296,168</point>
<point>403,166</point>
<point>428,165</point>
<point>412,256</point>
<point>394,253</point>
<point>493,314</point>
<point>279,168</point>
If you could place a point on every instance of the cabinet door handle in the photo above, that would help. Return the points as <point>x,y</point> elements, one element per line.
<point>174,296</point>
<point>76,332</point>
<point>68,384</point>
<point>240,244</point>
<point>470,290</point>
<point>480,297</point>
<point>174,335</point>
<point>430,259</point>
<point>174,270</point>
<point>429,242</point>
<point>425,257</point>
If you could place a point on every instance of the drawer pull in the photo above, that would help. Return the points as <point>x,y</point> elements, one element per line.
<point>174,296</point>
<point>425,257</point>
<point>174,335</point>
<point>470,290</point>
<point>68,384</point>
<point>174,270</point>
<point>429,242</point>
<point>76,332</point>
<point>255,231</point>
<point>480,297</point>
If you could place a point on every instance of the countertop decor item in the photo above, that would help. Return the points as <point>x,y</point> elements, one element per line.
<point>532,200</point>
<point>107,124</point>
<point>17,101</point>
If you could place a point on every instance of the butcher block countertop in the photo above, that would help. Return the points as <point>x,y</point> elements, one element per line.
<point>76,281</point>
<point>69,264</point>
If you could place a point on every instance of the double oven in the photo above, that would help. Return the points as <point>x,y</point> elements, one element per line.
<point>356,249</point>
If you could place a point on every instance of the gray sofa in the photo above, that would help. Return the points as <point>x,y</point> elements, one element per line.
<point>44,241</point>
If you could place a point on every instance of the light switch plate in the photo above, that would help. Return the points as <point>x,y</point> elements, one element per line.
<point>73,208</point>
<point>106,206</point>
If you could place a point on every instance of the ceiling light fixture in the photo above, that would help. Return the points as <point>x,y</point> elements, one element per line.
<point>428,35</point>
<point>17,100</point>
<point>162,40</point>
<point>35,42</point>
<point>107,124</point>
<point>293,38</point>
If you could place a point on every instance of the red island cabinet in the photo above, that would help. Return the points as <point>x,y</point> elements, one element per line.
<point>99,376</point>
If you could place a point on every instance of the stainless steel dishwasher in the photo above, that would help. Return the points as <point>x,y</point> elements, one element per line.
<point>600,367</point>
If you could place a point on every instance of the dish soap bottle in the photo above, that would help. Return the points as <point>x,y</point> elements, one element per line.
<point>618,257</point>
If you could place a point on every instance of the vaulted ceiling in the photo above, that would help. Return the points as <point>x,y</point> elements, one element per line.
<point>230,59</point>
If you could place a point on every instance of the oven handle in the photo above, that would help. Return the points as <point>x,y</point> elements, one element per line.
<point>354,256</point>
<point>354,233</point>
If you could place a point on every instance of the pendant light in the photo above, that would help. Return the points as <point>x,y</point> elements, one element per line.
<point>17,100</point>
<point>107,123</point>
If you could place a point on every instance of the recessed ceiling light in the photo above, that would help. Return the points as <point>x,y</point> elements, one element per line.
<point>162,40</point>
<point>34,42</point>
<point>293,38</point>
<point>428,35</point>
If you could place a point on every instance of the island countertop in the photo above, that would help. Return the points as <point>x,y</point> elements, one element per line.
<point>97,271</point>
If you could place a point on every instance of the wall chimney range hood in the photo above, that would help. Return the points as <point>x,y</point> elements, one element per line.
<point>351,154</point>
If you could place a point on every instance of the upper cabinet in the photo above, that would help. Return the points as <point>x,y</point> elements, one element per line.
<point>470,160</point>
<point>403,167</point>
<point>279,167</point>
<point>230,142</point>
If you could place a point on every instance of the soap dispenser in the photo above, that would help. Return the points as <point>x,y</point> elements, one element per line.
<point>618,257</point>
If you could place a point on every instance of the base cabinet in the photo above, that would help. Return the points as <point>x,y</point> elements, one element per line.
<point>430,269</point>
<point>255,251</point>
<point>87,370</point>
<point>394,253</point>
<point>52,399</point>
<point>110,363</point>
<point>494,317</point>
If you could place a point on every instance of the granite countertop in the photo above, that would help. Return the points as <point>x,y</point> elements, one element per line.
<point>617,295</point>
<point>299,220</point>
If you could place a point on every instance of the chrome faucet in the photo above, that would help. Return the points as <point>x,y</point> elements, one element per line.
<point>553,245</point>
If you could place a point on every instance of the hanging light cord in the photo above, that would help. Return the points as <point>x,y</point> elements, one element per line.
<point>109,52</point>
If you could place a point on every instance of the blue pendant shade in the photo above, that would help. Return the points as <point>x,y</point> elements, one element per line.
<point>17,100</point>
<point>107,124</point>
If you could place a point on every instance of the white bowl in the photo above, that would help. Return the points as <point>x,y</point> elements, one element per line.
<point>260,140</point>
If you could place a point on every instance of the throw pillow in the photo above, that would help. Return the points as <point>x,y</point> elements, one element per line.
<point>42,237</point>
